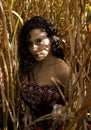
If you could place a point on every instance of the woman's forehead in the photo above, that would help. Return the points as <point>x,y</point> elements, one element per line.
<point>36,33</point>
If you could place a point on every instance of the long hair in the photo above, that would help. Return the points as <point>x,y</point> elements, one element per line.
<point>26,60</point>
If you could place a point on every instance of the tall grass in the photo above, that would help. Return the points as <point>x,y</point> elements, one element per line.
<point>71,18</point>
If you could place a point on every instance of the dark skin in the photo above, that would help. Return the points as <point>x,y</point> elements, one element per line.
<point>48,68</point>
<point>47,65</point>
<point>56,68</point>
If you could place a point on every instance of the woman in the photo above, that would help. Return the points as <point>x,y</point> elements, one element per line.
<point>40,65</point>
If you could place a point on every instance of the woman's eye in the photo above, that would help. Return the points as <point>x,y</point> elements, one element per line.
<point>38,41</point>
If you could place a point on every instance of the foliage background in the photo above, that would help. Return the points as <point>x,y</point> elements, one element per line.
<point>73,20</point>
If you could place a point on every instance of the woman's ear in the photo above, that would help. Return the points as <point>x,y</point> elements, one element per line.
<point>54,38</point>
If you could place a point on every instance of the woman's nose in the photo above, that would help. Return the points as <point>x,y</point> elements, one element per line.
<point>35,47</point>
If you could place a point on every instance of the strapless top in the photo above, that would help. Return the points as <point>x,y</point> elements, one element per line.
<point>41,99</point>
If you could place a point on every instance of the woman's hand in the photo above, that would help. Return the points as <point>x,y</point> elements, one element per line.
<point>58,110</point>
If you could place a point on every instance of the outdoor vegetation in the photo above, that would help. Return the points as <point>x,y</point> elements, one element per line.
<point>73,20</point>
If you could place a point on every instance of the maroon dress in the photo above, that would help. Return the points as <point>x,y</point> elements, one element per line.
<point>41,101</point>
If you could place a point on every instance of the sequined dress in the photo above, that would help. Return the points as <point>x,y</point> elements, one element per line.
<point>41,101</point>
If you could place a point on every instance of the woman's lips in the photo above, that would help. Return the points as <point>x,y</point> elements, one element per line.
<point>37,54</point>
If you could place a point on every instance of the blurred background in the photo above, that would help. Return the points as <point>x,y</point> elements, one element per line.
<point>73,21</point>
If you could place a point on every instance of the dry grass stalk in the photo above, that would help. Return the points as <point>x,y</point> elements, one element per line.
<point>70,19</point>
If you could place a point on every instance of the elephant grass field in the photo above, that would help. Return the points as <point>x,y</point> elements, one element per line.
<point>73,21</point>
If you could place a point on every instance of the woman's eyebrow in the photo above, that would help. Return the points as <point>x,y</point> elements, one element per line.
<point>41,37</point>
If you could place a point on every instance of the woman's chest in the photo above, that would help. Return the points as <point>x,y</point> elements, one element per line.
<point>41,98</point>
<point>44,76</point>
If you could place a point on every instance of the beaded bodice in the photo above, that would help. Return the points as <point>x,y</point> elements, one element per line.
<point>41,99</point>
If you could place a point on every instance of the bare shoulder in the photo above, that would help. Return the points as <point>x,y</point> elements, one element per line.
<point>62,71</point>
<point>62,67</point>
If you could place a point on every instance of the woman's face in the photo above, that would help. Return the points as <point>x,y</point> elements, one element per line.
<point>40,44</point>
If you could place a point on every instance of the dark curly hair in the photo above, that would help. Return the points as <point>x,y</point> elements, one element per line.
<point>26,61</point>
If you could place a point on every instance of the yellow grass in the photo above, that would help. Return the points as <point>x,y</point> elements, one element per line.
<point>71,18</point>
